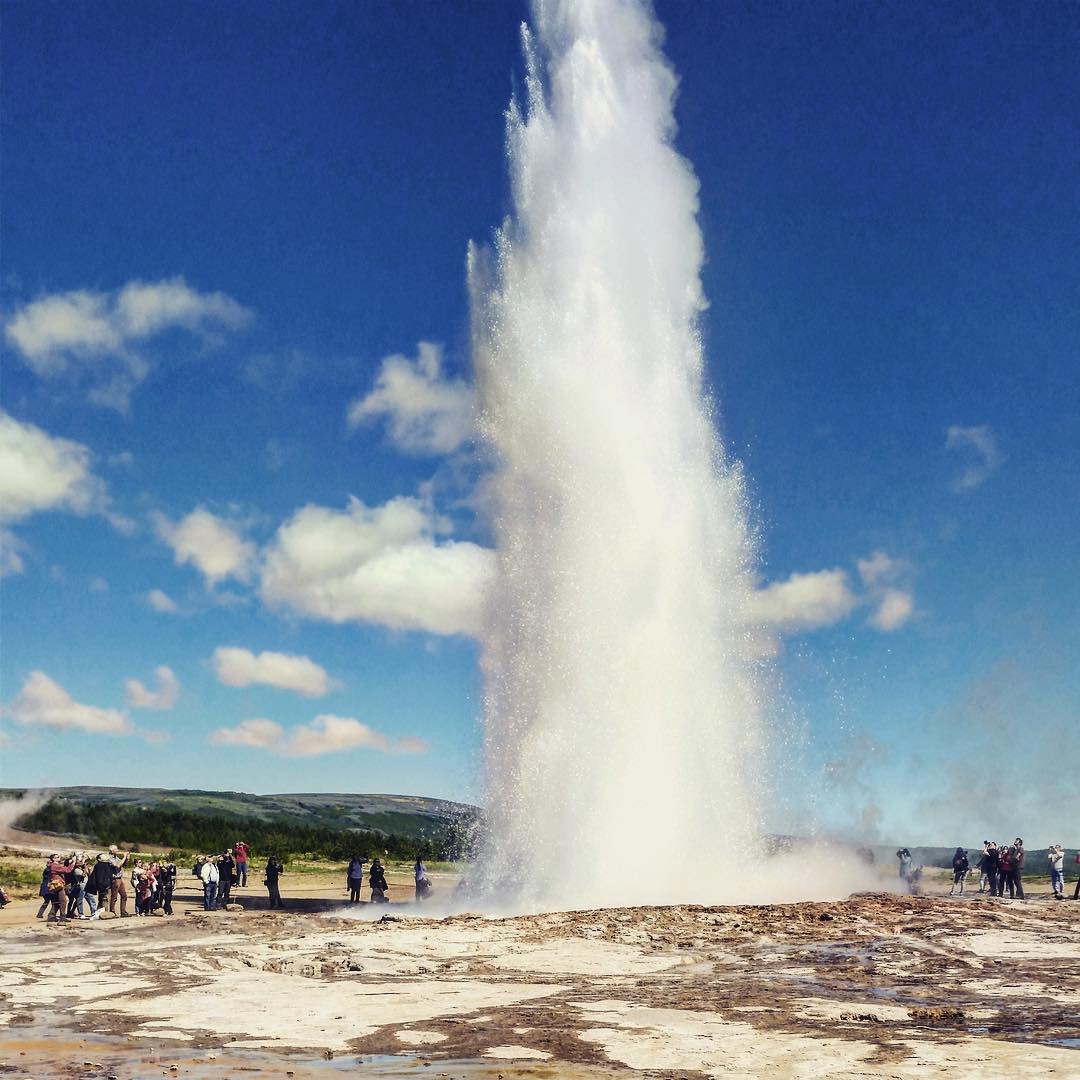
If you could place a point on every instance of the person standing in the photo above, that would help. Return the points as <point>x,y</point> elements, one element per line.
<point>225,867</point>
<point>904,857</point>
<point>1007,864</point>
<point>43,888</point>
<point>59,874</point>
<point>208,873</point>
<point>77,886</point>
<point>167,881</point>
<point>377,881</point>
<point>100,884</point>
<point>274,870</point>
<point>1018,868</point>
<point>993,867</point>
<point>1056,858</point>
<point>243,855</point>
<point>136,885</point>
<point>354,878</point>
<point>960,867</point>
<point>983,877</point>
<point>117,888</point>
<point>423,886</point>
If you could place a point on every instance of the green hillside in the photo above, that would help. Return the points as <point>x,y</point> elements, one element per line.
<point>328,825</point>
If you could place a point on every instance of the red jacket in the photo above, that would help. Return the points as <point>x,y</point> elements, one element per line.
<point>58,870</point>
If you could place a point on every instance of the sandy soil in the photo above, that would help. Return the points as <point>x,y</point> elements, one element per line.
<point>874,986</point>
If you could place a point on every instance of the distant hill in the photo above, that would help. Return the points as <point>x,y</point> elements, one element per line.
<point>407,818</point>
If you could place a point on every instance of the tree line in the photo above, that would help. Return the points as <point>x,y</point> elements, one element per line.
<point>180,830</point>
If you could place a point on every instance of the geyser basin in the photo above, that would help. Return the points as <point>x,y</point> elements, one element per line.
<point>622,701</point>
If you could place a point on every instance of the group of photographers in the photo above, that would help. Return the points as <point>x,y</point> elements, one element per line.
<point>1000,866</point>
<point>81,887</point>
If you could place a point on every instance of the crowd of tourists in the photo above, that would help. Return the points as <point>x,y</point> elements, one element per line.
<point>83,887</point>
<point>1000,866</point>
<point>380,890</point>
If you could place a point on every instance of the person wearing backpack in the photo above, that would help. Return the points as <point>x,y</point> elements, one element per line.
<point>99,884</point>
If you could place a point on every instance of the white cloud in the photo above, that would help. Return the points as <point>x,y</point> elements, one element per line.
<point>44,703</point>
<point>99,585</point>
<point>805,601</point>
<point>241,667</point>
<point>326,734</point>
<point>260,734</point>
<point>211,544</point>
<point>378,564</point>
<point>39,471</point>
<point>161,602</point>
<point>978,451</point>
<point>893,610</point>
<point>892,600</point>
<point>425,413</point>
<point>42,472</point>
<point>11,547</point>
<point>878,568</point>
<point>91,334</point>
<point>164,697</point>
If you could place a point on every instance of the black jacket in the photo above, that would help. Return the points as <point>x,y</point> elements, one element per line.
<point>100,879</point>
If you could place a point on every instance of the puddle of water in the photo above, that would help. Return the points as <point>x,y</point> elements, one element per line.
<point>1073,1044</point>
<point>38,1049</point>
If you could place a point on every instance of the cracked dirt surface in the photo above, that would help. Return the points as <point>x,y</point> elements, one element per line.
<point>874,986</point>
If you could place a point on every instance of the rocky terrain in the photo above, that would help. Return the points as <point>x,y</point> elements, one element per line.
<point>877,985</point>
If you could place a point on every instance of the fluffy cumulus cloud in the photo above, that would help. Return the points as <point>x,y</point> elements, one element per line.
<point>805,601</point>
<point>326,734</point>
<point>165,696</point>
<point>425,413</point>
<point>40,472</point>
<point>978,452</point>
<point>43,703</point>
<point>381,564</point>
<point>823,598</point>
<point>241,667</point>
<point>213,545</point>
<point>98,336</point>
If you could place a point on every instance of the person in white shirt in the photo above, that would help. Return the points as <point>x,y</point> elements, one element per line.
<point>208,872</point>
<point>1056,857</point>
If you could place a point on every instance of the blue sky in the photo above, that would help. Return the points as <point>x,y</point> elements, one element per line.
<point>218,225</point>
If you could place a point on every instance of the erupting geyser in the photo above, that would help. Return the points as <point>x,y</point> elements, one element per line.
<point>622,705</point>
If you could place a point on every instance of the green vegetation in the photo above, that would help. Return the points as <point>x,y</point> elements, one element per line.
<point>20,874</point>
<point>397,815</point>
<point>102,823</point>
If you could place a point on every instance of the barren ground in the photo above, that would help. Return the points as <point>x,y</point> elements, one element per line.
<point>874,986</point>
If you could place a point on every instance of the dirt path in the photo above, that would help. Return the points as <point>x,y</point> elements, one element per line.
<point>874,986</point>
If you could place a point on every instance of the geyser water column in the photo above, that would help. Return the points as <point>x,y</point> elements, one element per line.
<point>622,712</point>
